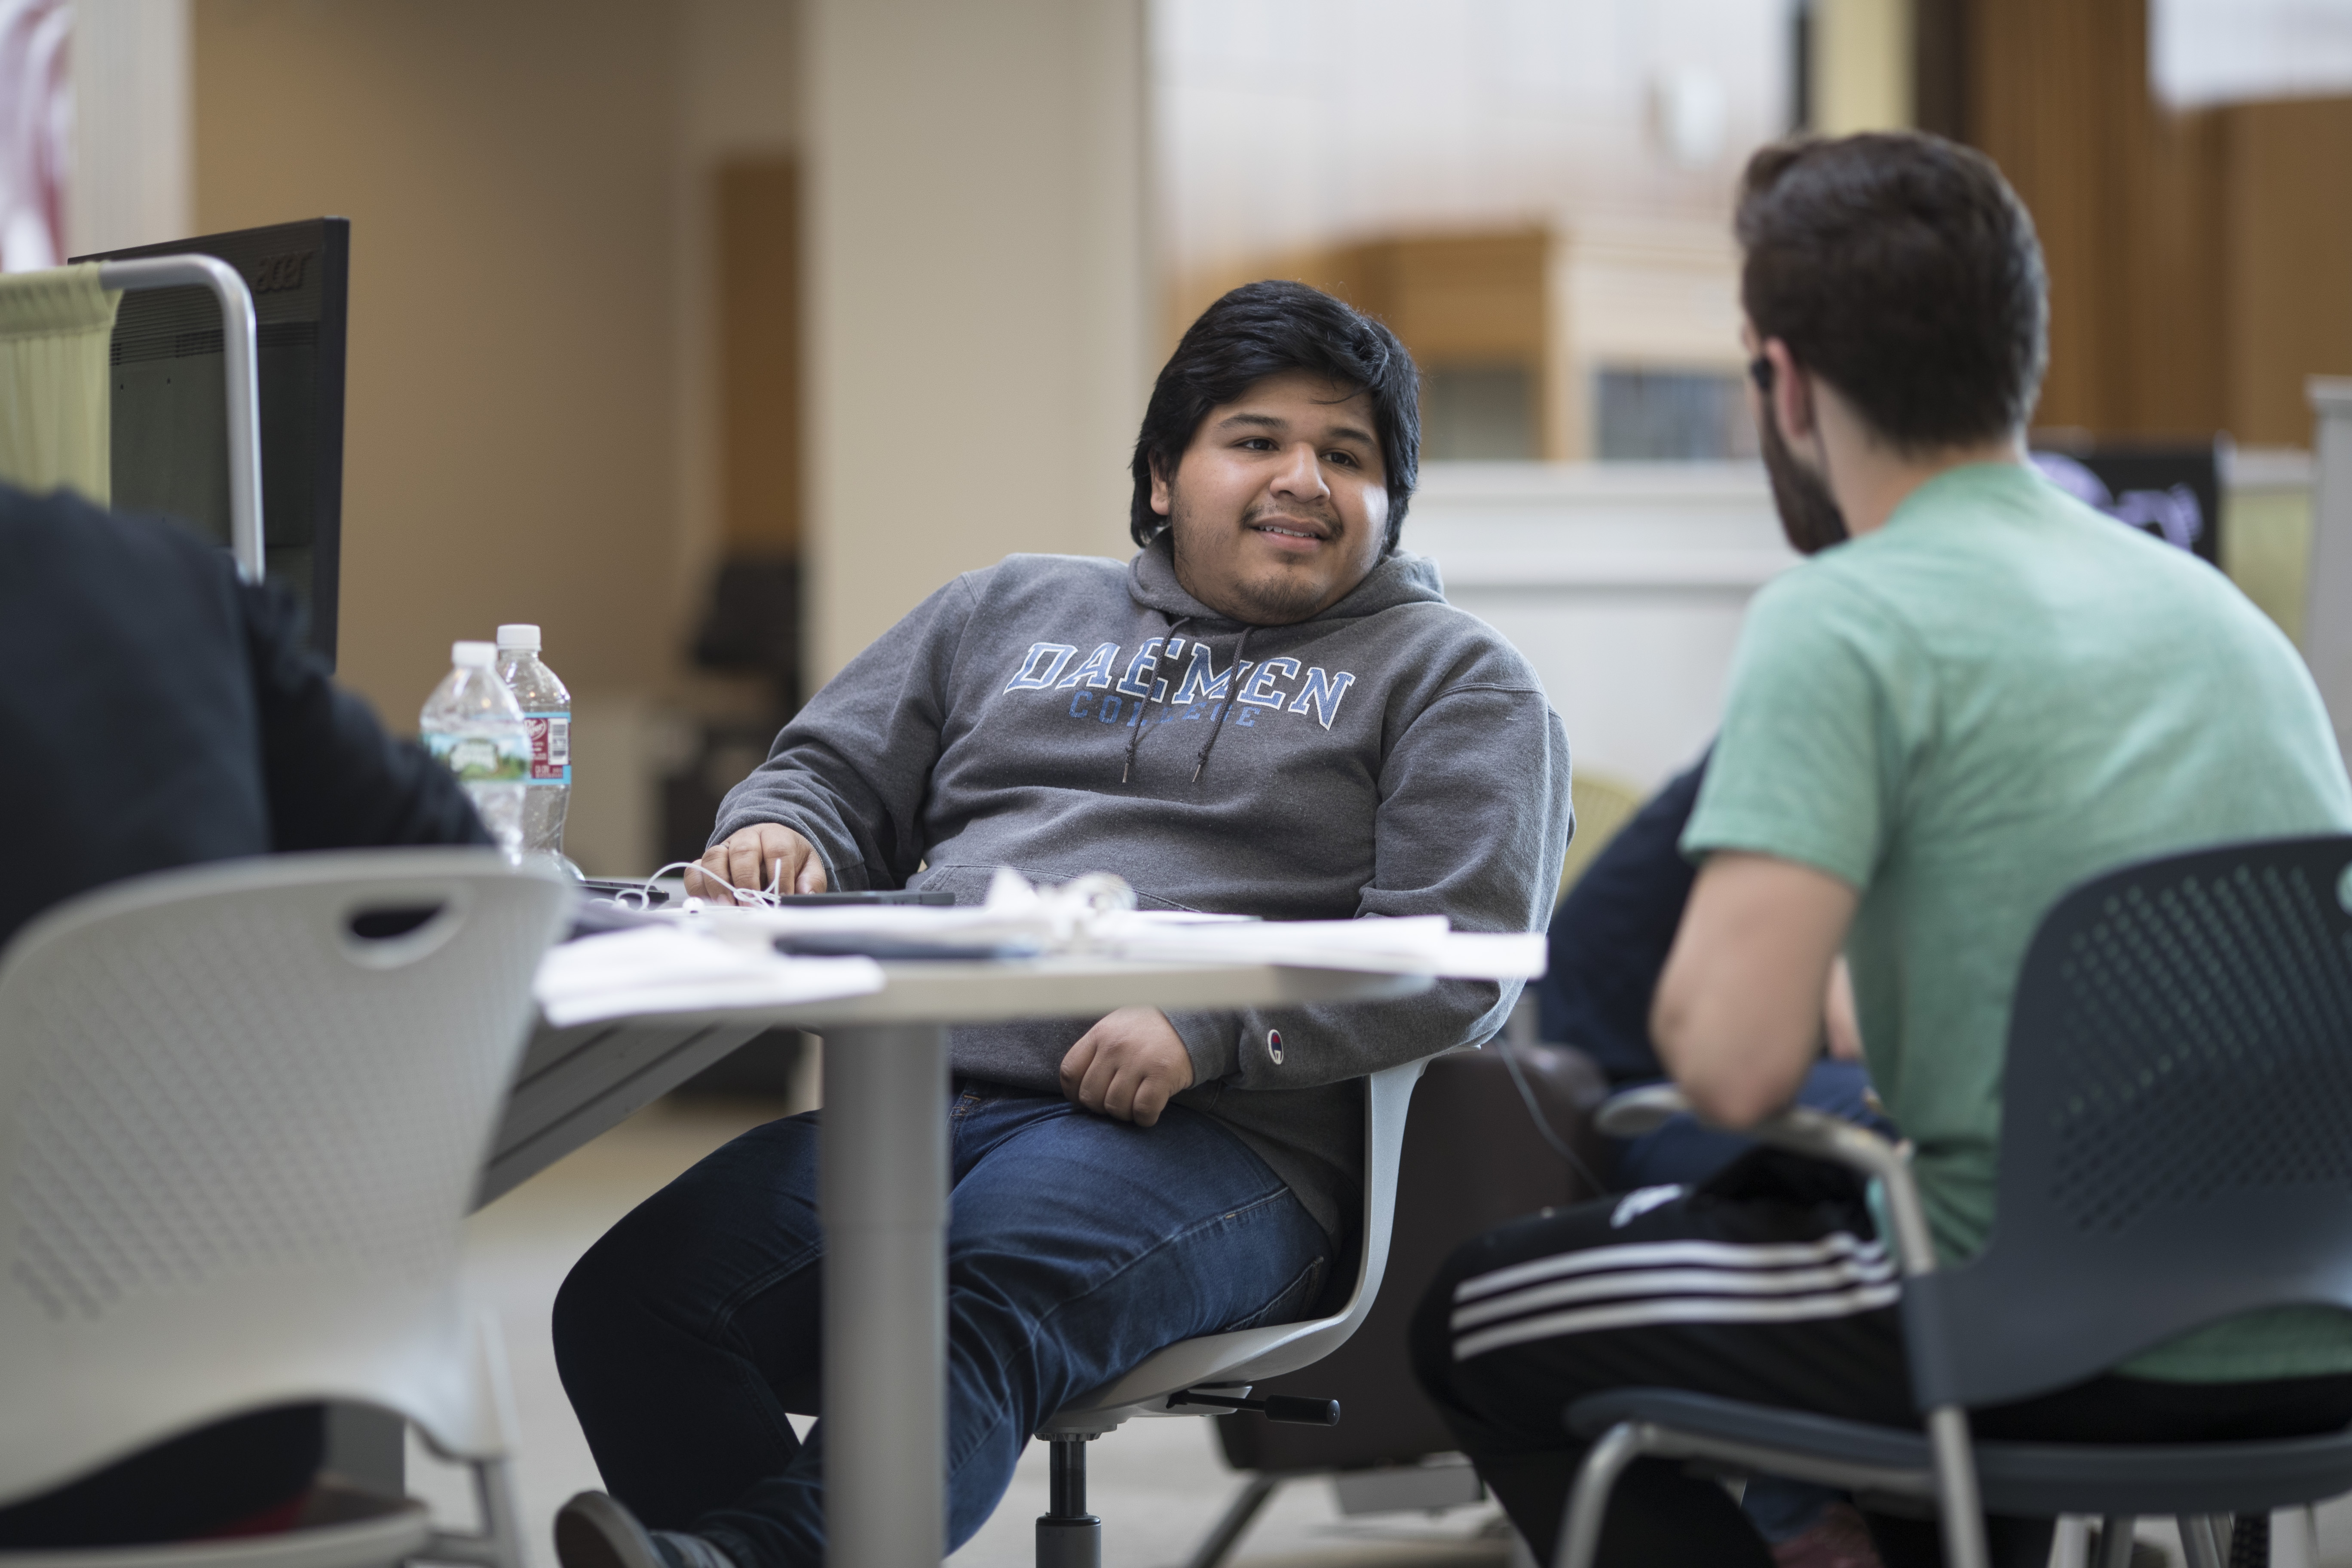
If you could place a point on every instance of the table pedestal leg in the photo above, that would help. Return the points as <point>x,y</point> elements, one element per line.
<point>884,1198</point>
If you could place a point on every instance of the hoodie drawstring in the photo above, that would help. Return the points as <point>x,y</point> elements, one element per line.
<point>1233,689</point>
<point>1142,709</point>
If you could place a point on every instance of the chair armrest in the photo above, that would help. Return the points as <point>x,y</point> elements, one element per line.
<point>1634,1112</point>
<point>1800,1130</point>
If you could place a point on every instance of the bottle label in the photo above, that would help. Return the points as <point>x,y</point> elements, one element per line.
<point>479,758</point>
<point>551,747</point>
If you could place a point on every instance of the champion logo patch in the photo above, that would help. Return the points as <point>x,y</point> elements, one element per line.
<point>1273,1046</point>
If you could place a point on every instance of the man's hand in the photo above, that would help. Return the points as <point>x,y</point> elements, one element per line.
<point>749,857</point>
<point>1128,1066</point>
<point>1840,1022</point>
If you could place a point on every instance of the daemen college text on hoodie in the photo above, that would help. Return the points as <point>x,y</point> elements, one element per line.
<point>1062,714</point>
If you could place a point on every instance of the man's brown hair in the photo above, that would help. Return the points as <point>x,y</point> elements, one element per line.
<point>1901,269</point>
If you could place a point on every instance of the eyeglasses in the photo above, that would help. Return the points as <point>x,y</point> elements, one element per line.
<point>1759,370</point>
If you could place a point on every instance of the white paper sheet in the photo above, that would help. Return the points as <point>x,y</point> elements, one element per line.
<point>1422,944</point>
<point>663,969</point>
<point>1052,921</point>
<point>1419,945</point>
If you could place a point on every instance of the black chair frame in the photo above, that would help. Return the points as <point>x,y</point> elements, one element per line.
<point>2176,1150</point>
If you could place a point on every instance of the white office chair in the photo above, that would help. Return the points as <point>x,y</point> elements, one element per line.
<point>243,1107</point>
<point>1211,1375</point>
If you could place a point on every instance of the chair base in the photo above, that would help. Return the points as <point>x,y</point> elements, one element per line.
<point>1379,1489</point>
<point>1234,1522</point>
<point>2161,1479</point>
<point>2199,1486</point>
<point>1069,1542</point>
<point>1067,1535</point>
<point>1070,1537</point>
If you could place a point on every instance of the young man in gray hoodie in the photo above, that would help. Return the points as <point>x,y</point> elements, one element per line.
<point>1269,710</point>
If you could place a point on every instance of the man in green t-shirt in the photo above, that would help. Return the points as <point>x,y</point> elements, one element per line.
<point>1977,694</point>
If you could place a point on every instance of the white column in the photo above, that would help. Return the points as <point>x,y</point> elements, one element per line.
<point>133,180</point>
<point>2327,623</point>
<point>978,295</point>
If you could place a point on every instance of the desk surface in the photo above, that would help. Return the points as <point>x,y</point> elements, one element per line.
<point>1068,987</point>
<point>576,1083</point>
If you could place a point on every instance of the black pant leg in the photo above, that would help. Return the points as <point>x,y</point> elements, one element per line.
<point>1767,1284</point>
<point>1764,1285</point>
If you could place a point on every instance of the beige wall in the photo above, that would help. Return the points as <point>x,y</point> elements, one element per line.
<point>510,175</point>
<point>531,427</point>
<point>978,292</point>
<point>736,101</point>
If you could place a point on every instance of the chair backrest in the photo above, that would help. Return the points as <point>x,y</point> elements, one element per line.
<point>1253,1355</point>
<point>2176,1140</point>
<point>55,423</point>
<point>1473,1158</point>
<point>1603,803</point>
<point>243,1107</point>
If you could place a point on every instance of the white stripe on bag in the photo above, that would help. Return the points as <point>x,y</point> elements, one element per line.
<point>1701,1254</point>
<point>1673,1282</point>
<point>1682,1309</point>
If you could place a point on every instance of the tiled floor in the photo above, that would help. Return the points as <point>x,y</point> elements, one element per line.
<point>1158,1485</point>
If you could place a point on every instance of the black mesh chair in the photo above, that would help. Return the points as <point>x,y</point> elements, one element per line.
<point>2176,1149</point>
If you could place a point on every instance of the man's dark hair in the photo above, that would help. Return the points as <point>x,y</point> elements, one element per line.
<point>1902,269</point>
<point>1261,330</point>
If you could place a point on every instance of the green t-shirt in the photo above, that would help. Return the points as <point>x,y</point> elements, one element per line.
<point>1997,696</point>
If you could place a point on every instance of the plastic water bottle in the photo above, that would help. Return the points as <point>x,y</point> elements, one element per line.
<point>547,713</point>
<point>473,725</point>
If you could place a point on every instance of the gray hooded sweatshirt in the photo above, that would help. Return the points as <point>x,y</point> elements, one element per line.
<point>1065,714</point>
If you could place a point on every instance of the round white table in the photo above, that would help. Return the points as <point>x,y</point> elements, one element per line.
<point>884,1181</point>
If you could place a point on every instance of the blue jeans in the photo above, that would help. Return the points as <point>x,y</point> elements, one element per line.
<point>1076,1247</point>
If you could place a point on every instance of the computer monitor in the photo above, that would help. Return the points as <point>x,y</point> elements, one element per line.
<point>2172,491</point>
<point>171,413</point>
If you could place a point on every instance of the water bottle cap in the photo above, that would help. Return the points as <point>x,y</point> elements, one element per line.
<point>477,655</point>
<point>520,635</point>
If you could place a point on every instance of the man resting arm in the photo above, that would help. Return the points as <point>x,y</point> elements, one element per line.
<point>1739,1013</point>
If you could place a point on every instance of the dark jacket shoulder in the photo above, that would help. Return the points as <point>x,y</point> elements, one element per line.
<point>160,712</point>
